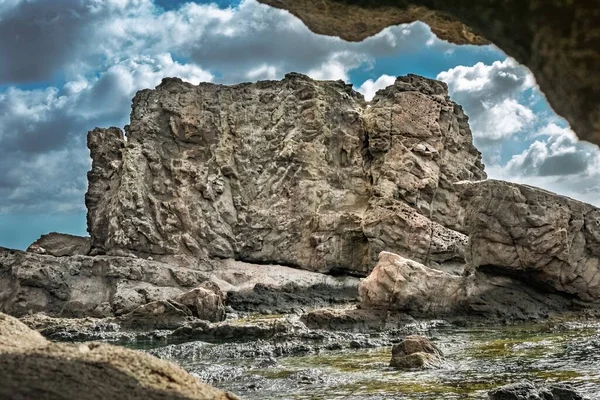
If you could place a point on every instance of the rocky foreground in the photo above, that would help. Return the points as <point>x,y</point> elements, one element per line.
<point>298,197</point>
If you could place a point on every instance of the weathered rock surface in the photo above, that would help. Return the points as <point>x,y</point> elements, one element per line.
<point>538,236</point>
<point>205,302</point>
<point>557,40</point>
<point>32,368</point>
<point>401,285</point>
<point>529,391</point>
<point>61,245</point>
<point>105,286</point>
<point>415,352</point>
<point>294,172</point>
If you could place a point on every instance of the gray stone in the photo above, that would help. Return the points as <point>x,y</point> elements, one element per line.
<point>61,245</point>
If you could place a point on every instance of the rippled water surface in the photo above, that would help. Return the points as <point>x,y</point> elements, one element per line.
<point>478,359</point>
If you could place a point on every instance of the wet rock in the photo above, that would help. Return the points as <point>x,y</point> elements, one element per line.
<point>415,352</point>
<point>323,183</point>
<point>61,245</point>
<point>36,368</point>
<point>528,391</point>
<point>534,235</point>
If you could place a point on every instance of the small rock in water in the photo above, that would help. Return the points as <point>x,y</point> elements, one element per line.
<point>528,391</point>
<point>415,352</point>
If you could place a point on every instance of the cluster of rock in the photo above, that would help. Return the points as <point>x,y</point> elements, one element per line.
<point>277,196</point>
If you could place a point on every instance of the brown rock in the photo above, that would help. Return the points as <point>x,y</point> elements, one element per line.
<point>534,235</point>
<point>60,245</point>
<point>415,352</point>
<point>295,172</point>
<point>557,40</point>
<point>34,368</point>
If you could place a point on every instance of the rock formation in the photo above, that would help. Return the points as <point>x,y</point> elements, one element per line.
<point>33,368</point>
<point>557,40</point>
<point>295,172</point>
<point>538,236</point>
<point>103,286</point>
<point>415,352</point>
<point>401,285</point>
<point>61,245</point>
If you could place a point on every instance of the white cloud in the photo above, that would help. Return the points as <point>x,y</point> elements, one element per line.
<point>490,95</point>
<point>370,87</point>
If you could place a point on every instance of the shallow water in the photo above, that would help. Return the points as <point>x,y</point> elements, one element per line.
<point>478,359</point>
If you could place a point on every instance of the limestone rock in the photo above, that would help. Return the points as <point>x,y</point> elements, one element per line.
<point>61,245</point>
<point>415,352</point>
<point>528,391</point>
<point>556,40</point>
<point>534,235</point>
<point>295,172</point>
<point>401,285</point>
<point>36,368</point>
<point>87,286</point>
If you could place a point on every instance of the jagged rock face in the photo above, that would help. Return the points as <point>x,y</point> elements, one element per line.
<point>295,172</point>
<point>34,368</point>
<point>539,236</point>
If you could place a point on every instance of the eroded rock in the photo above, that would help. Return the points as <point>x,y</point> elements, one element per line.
<point>61,245</point>
<point>535,235</point>
<point>295,172</point>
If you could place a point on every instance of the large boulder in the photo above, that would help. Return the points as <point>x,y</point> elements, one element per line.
<point>33,368</point>
<point>61,245</point>
<point>557,40</point>
<point>535,235</point>
<point>295,172</point>
<point>400,285</point>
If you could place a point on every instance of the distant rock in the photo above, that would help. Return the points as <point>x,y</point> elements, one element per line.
<point>36,368</point>
<point>61,245</point>
<point>534,235</point>
<point>528,391</point>
<point>415,352</point>
<point>296,172</point>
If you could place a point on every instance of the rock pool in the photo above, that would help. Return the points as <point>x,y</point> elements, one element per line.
<point>478,359</point>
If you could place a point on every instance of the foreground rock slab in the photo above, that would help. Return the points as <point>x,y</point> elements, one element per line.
<point>33,368</point>
<point>529,391</point>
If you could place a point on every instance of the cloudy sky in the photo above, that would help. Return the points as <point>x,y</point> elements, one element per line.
<point>67,66</point>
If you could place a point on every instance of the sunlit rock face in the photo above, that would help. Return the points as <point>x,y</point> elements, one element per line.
<point>558,40</point>
<point>295,172</point>
<point>546,239</point>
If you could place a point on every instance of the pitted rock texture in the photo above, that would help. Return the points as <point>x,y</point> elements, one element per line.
<point>528,391</point>
<point>61,245</point>
<point>541,237</point>
<point>558,40</point>
<point>34,368</point>
<point>295,172</point>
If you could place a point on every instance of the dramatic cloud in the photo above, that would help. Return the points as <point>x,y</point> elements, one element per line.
<point>492,97</point>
